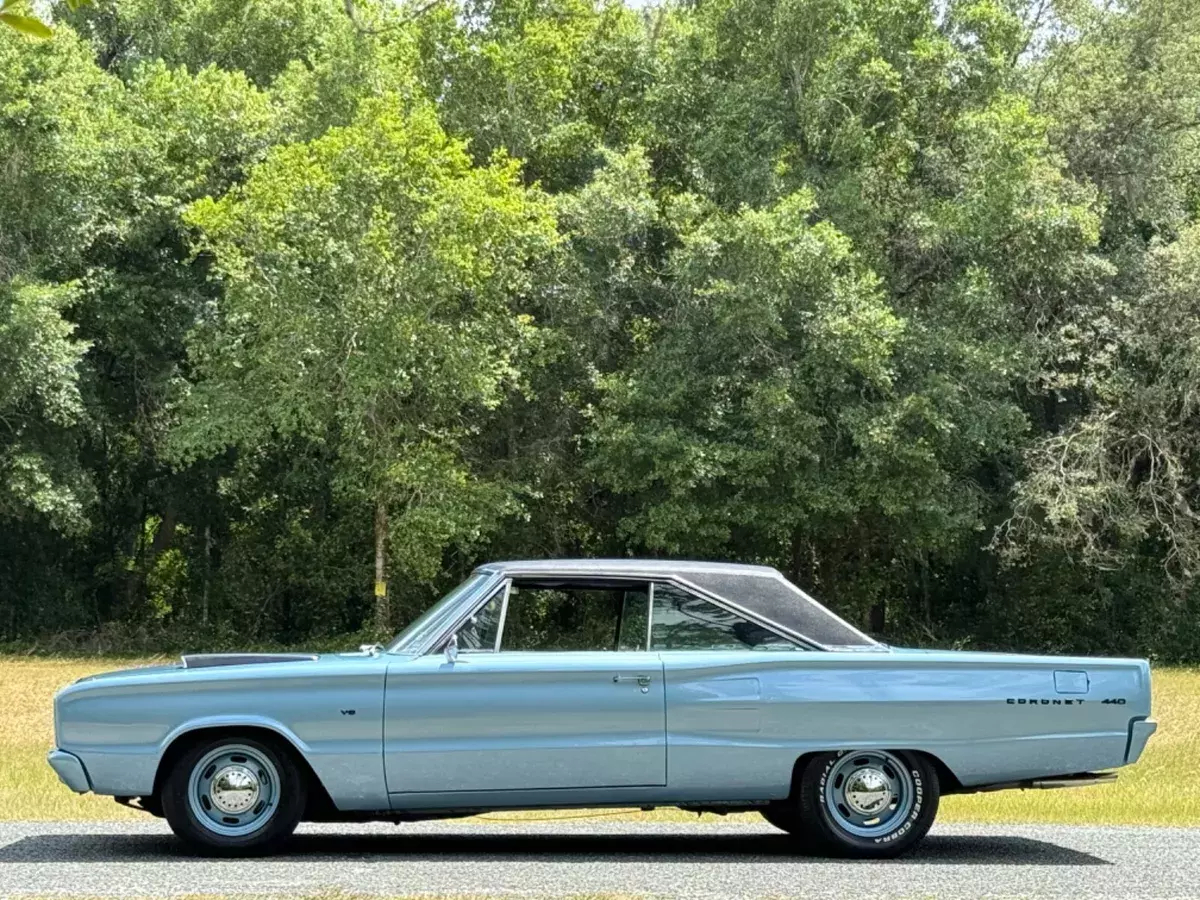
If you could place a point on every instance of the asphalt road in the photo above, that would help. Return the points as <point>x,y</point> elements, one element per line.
<point>719,860</point>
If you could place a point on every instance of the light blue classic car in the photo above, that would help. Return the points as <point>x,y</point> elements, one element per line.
<point>593,683</point>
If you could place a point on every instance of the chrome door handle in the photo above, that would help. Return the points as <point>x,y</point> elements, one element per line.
<point>641,680</point>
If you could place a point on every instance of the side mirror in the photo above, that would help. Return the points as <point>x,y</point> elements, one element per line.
<point>452,648</point>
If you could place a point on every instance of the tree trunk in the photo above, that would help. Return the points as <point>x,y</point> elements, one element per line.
<point>878,618</point>
<point>926,604</point>
<point>164,535</point>
<point>382,620</point>
<point>145,557</point>
<point>207,575</point>
<point>797,558</point>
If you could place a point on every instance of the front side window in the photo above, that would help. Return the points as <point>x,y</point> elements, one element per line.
<point>431,623</point>
<point>683,621</point>
<point>568,617</point>
<point>479,632</point>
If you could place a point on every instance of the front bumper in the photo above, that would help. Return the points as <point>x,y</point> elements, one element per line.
<point>1139,732</point>
<point>70,770</point>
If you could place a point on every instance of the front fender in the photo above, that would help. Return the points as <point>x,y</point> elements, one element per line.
<point>329,711</point>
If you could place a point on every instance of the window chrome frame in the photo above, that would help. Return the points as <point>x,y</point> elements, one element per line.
<point>488,589</point>
<point>650,619</point>
<point>503,614</point>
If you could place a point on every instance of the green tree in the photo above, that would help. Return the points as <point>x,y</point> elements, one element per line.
<point>39,404</point>
<point>1119,480</point>
<point>52,204</point>
<point>1108,476</point>
<point>370,279</point>
<point>934,185</point>
<point>548,81</point>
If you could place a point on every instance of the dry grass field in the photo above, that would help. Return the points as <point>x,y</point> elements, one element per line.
<point>1146,794</point>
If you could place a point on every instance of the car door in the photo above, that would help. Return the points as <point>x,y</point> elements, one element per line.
<point>547,692</point>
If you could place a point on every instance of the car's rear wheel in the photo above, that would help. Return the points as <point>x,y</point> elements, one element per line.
<point>234,796</point>
<point>868,804</point>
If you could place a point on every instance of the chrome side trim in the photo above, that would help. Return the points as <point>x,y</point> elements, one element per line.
<point>650,617</point>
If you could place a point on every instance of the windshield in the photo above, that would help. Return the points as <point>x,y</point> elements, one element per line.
<point>436,617</point>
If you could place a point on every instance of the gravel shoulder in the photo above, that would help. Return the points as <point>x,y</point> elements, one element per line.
<point>570,858</point>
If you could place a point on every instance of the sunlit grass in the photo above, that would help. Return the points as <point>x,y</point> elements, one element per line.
<point>1160,790</point>
<point>29,789</point>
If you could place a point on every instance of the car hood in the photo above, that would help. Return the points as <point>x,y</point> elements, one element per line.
<point>132,670</point>
<point>204,661</point>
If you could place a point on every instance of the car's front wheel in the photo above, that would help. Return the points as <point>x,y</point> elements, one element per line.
<point>869,804</point>
<point>234,796</point>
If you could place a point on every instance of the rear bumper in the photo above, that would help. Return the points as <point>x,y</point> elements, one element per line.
<point>1139,732</point>
<point>70,770</point>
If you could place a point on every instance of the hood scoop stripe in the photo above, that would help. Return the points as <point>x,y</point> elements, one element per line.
<point>209,660</point>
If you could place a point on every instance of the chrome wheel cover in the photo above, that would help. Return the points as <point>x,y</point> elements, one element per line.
<point>233,790</point>
<point>869,793</point>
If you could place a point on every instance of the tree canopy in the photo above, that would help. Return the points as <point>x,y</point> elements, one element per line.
<point>308,307</point>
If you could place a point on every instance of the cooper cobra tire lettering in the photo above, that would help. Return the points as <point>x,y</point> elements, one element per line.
<point>912,817</point>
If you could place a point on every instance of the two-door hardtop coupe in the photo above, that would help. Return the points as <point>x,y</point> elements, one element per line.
<point>592,683</point>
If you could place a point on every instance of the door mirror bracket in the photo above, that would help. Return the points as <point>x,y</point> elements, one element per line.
<point>452,649</point>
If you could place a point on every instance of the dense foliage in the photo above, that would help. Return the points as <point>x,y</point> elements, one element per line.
<point>901,297</point>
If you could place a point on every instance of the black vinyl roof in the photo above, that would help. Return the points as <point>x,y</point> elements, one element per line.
<point>760,590</point>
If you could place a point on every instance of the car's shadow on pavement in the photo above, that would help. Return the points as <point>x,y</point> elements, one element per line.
<point>988,850</point>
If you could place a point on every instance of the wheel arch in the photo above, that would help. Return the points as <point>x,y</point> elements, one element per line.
<point>272,733</point>
<point>948,782</point>
<point>799,766</point>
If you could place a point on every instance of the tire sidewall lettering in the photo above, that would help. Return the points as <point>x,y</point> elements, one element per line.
<point>911,819</point>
